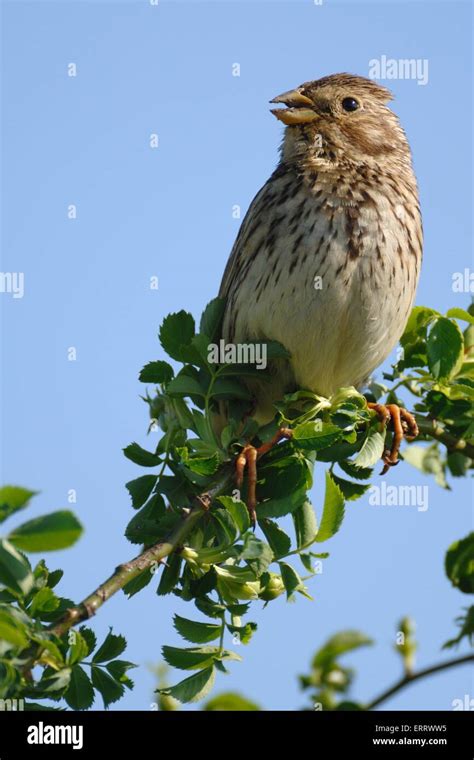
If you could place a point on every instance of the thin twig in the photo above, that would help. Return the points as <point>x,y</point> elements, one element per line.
<point>432,428</point>
<point>408,679</point>
<point>127,571</point>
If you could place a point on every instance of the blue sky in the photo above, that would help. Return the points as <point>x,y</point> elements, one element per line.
<point>167,212</point>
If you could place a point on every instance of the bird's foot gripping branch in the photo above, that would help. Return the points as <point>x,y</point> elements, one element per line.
<point>193,521</point>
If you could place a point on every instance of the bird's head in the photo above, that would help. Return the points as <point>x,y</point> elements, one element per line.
<point>339,116</point>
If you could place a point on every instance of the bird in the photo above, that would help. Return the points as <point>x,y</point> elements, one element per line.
<point>328,256</point>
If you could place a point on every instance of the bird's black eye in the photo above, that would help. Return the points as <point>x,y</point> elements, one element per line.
<point>350,104</point>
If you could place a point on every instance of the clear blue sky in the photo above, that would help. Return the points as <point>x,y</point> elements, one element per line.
<point>168,213</point>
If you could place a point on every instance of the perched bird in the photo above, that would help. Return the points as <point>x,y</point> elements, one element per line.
<point>328,256</point>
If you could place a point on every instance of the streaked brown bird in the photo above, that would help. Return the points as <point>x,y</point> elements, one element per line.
<point>328,256</point>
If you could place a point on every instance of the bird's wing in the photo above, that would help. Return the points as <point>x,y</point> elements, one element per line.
<point>256,214</point>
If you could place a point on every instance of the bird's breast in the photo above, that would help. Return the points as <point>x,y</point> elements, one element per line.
<point>330,275</point>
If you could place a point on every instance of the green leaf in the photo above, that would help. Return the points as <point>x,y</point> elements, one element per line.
<point>227,387</point>
<point>140,489</point>
<point>58,530</point>
<point>50,650</point>
<point>428,460</point>
<point>145,527</point>
<point>12,630</point>
<point>466,629</point>
<point>348,395</point>
<point>204,585</point>
<point>202,465</point>
<point>230,701</point>
<point>78,650</point>
<point>279,507</point>
<point>445,348</point>
<point>45,600</point>
<point>211,318</point>
<point>109,688</point>
<point>118,671</point>
<point>192,689</point>
<point>342,642</point>
<point>15,571</point>
<point>176,334</point>
<point>198,352</point>
<point>351,491</point>
<point>316,435</point>
<point>156,372</point>
<point>457,391</point>
<point>359,473</point>
<point>54,577</point>
<point>191,658</point>
<point>291,579</point>
<point>372,449</point>
<point>185,385</point>
<point>228,527</point>
<point>13,498</point>
<point>458,464</point>
<point>306,525</point>
<point>170,575</point>
<point>418,321</point>
<point>112,647</point>
<point>257,553</point>
<point>195,658</point>
<point>414,355</point>
<point>307,561</point>
<point>182,413</point>
<point>89,637</point>
<point>333,510</point>
<point>137,584</point>
<point>457,313</point>
<point>54,682</point>
<point>80,694</point>
<point>235,573</point>
<point>244,632</point>
<point>459,564</point>
<point>348,705</point>
<point>63,607</point>
<point>278,478</point>
<point>238,609</point>
<point>279,542</point>
<point>196,633</point>
<point>238,511</point>
<point>140,456</point>
<point>209,607</point>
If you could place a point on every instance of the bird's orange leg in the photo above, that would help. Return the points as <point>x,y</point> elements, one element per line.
<point>248,459</point>
<point>404,424</point>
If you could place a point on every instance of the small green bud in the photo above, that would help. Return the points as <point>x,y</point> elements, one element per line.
<point>273,588</point>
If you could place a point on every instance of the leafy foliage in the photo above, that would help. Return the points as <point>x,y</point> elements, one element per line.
<point>215,560</point>
<point>222,562</point>
<point>29,602</point>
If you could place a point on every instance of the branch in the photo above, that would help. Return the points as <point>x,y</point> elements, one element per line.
<point>126,572</point>
<point>430,427</point>
<point>408,679</point>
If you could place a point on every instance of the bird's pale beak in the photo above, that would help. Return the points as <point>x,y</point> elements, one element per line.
<point>296,113</point>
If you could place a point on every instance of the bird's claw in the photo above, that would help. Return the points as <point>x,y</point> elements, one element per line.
<point>404,425</point>
<point>247,460</point>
